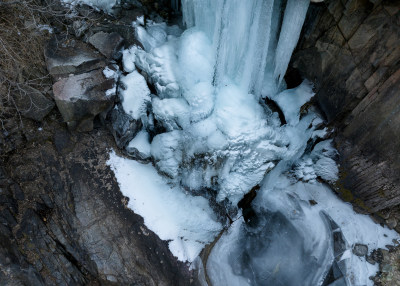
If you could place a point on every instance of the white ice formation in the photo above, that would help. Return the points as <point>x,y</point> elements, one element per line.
<point>211,135</point>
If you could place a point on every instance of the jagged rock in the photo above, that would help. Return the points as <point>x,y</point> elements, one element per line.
<point>81,97</point>
<point>107,43</point>
<point>66,56</point>
<point>124,127</point>
<point>360,249</point>
<point>137,155</point>
<point>32,104</point>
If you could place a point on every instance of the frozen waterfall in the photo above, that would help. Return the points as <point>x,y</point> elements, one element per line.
<point>213,138</point>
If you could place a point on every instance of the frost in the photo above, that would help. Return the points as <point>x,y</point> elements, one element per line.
<point>172,112</point>
<point>47,28</point>
<point>109,73</point>
<point>128,59</point>
<point>318,163</point>
<point>114,74</point>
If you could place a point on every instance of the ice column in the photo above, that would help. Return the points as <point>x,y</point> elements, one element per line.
<point>242,33</point>
<point>295,14</point>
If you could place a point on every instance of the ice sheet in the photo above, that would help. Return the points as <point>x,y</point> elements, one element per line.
<point>187,221</point>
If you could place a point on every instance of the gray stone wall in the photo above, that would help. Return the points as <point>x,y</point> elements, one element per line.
<point>350,49</point>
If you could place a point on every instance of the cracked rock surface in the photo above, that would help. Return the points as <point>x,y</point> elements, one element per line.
<point>64,220</point>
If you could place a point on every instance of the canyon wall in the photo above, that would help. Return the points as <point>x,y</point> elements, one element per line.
<point>350,49</point>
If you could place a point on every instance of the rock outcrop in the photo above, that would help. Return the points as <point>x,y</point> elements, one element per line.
<point>82,90</point>
<point>81,97</point>
<point>65,222</point>
<point>351,50</point>
<point>108,44</point>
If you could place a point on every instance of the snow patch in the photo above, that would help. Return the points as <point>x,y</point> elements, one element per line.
<point>136,94</point>
<point>186,221</point>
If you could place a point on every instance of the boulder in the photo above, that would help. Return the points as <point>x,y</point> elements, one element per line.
<point>124,127</point>
<point>360,249</point>
<point>81,97</point>
<point>66,56</point>
<point>107,43</point>
<point>32,104</point>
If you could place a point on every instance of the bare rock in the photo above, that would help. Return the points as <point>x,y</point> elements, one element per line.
<point>32,104</point>
<point>360,249</point>
<point>81,97</point>
<point>123,126</point>
<point>66,56</point>
<point>70,225</point>
<point>350,50</point>
<point>107,43</point>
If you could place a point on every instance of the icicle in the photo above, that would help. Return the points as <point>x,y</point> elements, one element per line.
<point>188,13</point>
<point>295,14</point>
<point>175,5</point>
<point>244,35</point>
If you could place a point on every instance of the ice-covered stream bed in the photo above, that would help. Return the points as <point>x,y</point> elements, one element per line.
<point>212,139</point>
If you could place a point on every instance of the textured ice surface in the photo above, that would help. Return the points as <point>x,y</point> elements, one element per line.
<point>212,133</point>
<point>186,221</point>
<point>291,100</point>
<point>135,93</point>
<point>290,242</point>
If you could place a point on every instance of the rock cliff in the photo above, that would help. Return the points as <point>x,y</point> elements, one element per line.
<point>351,51</point>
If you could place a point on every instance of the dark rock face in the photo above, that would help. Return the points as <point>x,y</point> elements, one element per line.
<point>65,222</point>
<point>351,50</point>
<point>123,126</point>
<point>81,97</point>
<point>107,43</point>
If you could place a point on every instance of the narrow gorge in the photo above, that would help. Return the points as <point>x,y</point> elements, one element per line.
<point>203,142</point>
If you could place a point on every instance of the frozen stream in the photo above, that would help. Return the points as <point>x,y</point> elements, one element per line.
<point>213,139</point>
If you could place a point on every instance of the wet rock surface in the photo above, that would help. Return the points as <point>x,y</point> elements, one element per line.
<point>360,249</point>
<point>351,50</point>
<point>389,267</point>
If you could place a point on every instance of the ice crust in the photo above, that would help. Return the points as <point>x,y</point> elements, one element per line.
<point>141,143</point>
<point>219,136</point>
<point>187,221</point>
